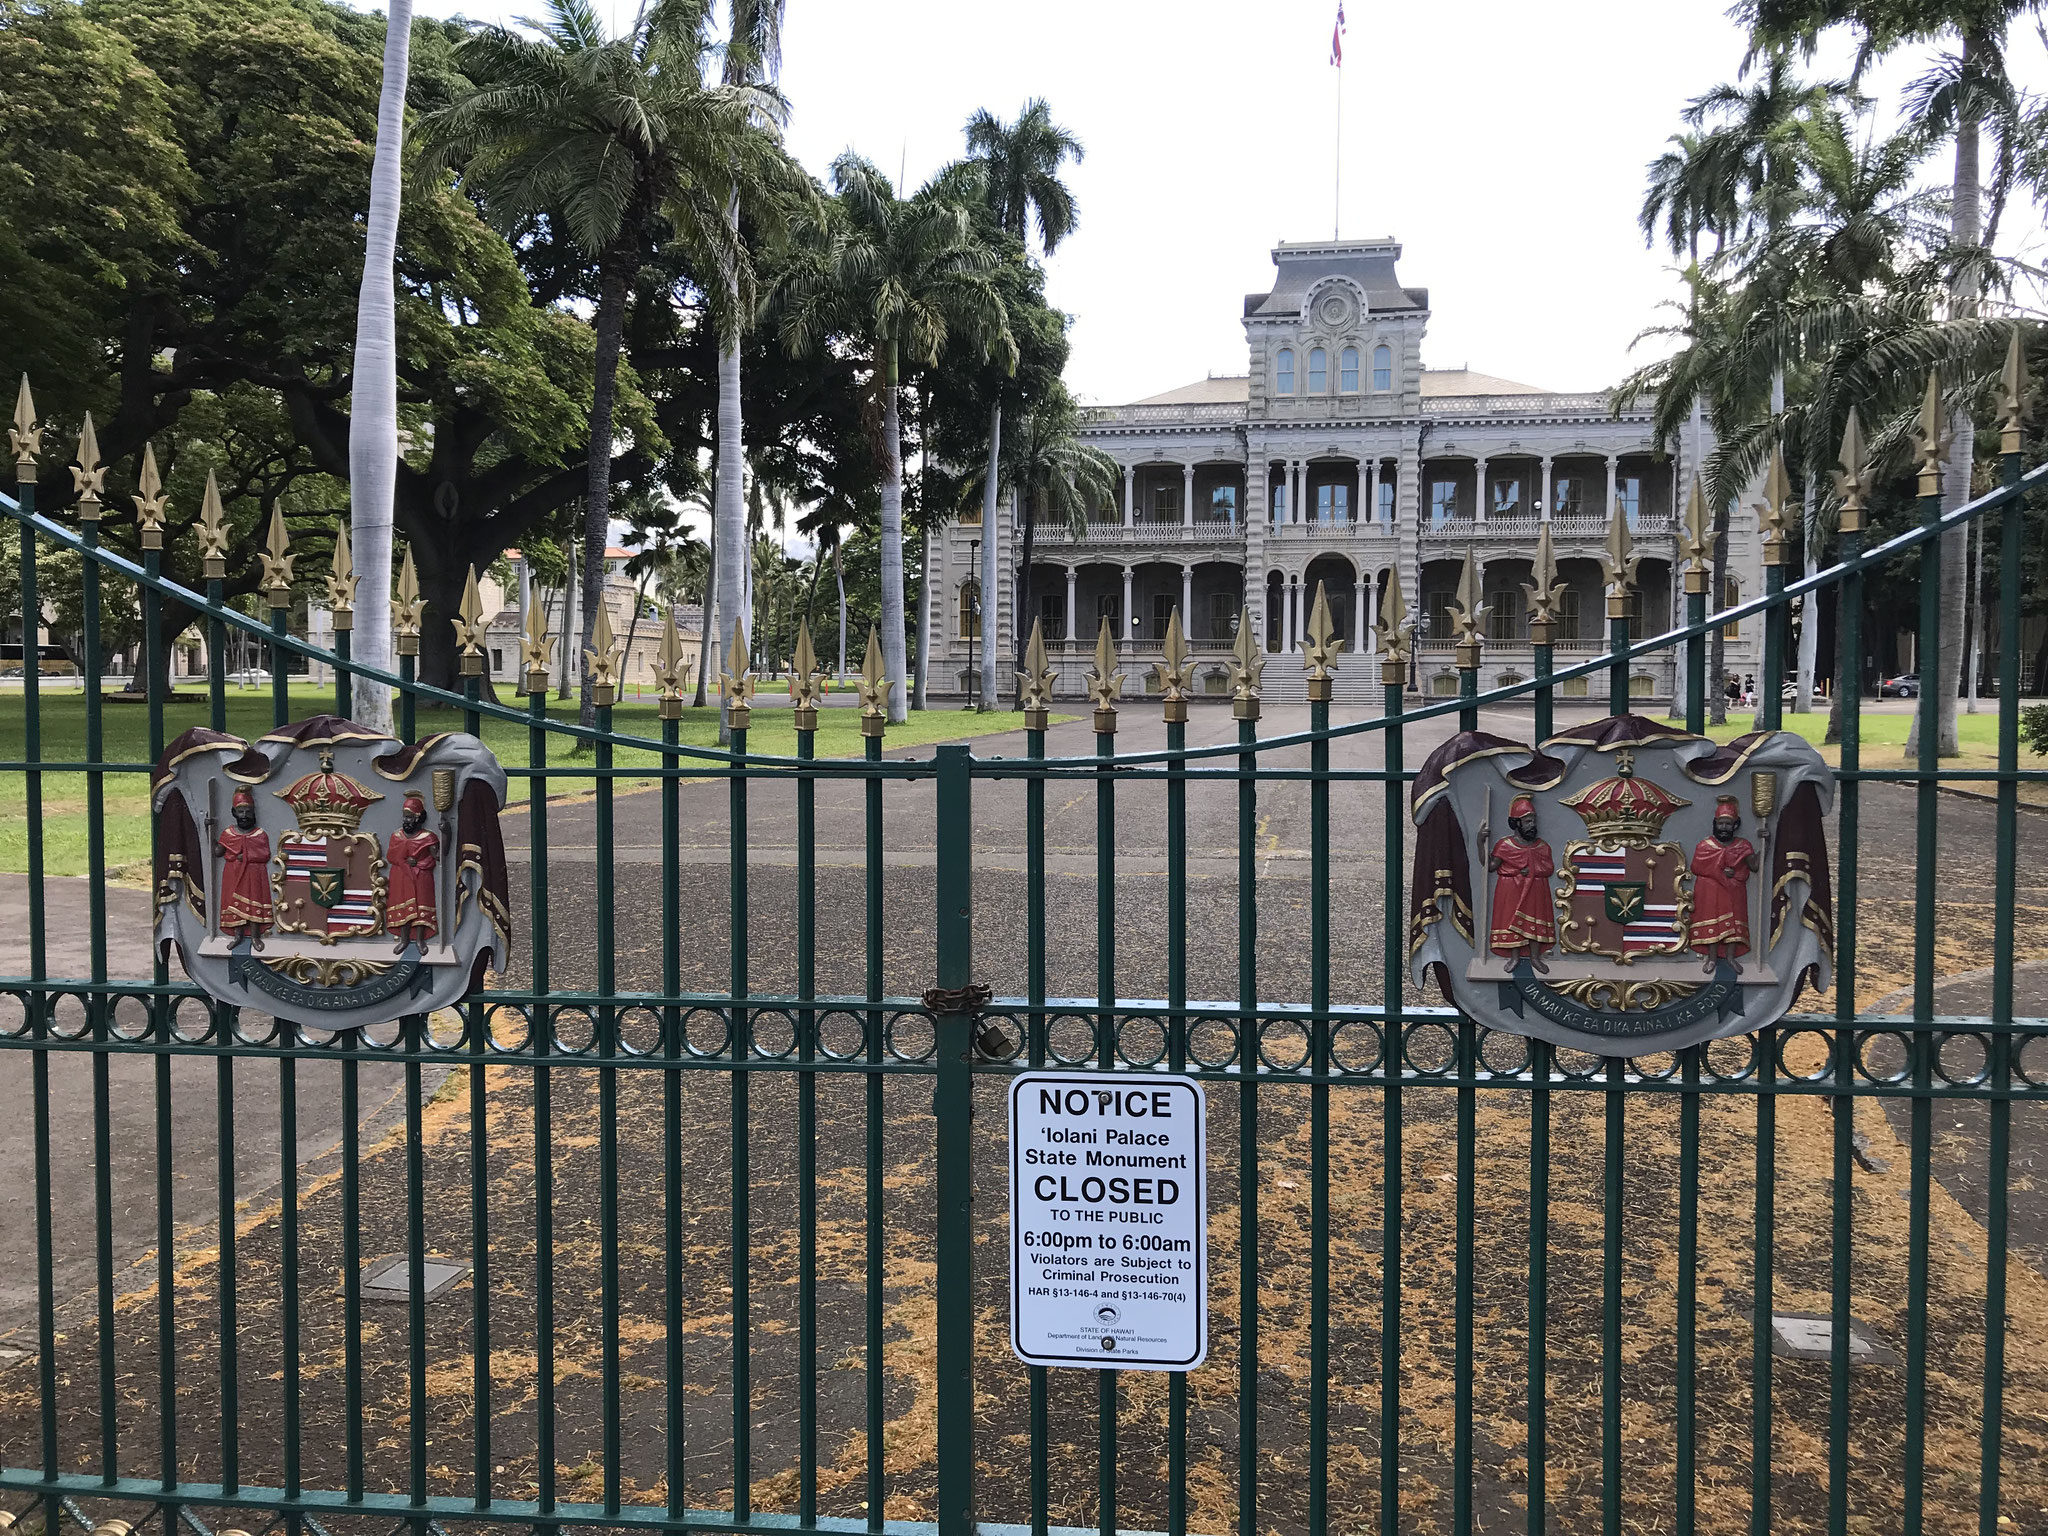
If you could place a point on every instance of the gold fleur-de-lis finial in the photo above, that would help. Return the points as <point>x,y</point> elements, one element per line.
<point>469,629</point>
<point>2012,394</point>
<point>1035,682</point>
<point>536,650</point>
<point>1105,682</point>
<point>152,504</point>
<point>213,533</point>
<point>1698,540</point>
<point>671,670</point>
<point>277,561</point>
<point>1319,655</point>
<point>1771,515</point>
<point>873,688</point>
<point>1468,610</point>
<point>25,435</point>
<point>89,475</point>
<point>1931,437</point>
<point>341,581</point>
<point>1248,662</point>
<point>1393,628</point>
<point>806,680</point>
<point>1546,592</point>
<point>1620,560</point>
<point>736,684</point>
<point>407,608</point>
<point>1176,673</point>
<point>603,655</point>
<point>1852,481</point>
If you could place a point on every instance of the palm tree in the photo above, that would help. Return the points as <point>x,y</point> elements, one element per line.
<point>1057,476</point>
<point>373,397</point>
<point>897,278</point>
<point>1020,171</point>
<point>609,136</point>
<point>1960,96</point>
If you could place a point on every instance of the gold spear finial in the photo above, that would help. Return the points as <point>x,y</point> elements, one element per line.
<point>1319,656</point>
<point>89,476</point>
<point>1248,662</point>
<point>277,561</point>
<point>341,582</point>
<point>1620,560</point>
<point>536,651</point>
<point>1176,673</point>
<point>1035,682</point>
<point>1105,682</point>
<point>873,688</point>
<point>1468,610</point>
<point>806,680</point>
<point>1545,593</point>
<point>407,608</point>
<point>25,435</point>
<point>1931,436</point>
<point>152,504</point>
<point>1771,514</point>
<point>1852,481</point>
<point>737,685</point>
<point>604,654</point>
<point>213,533</point>
<point>469,629</point>
<point>1698,541</point>
<point>1393,627</point>
<point>2012,394</point>
<point>671,670</point>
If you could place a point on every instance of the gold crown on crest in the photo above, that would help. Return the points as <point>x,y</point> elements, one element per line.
<point>1625,809</point>
<point>328,802</point>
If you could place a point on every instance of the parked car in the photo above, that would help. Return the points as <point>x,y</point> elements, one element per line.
<point>1904,686</point>
<point>249,677</point>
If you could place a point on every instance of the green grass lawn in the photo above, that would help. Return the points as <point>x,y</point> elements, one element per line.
<point>249,714</point>
<point>1884,744</point>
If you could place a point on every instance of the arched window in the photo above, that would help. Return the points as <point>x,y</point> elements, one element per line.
<point>970,610</point>
<point>1731,597</point>
<point>1347,371</point>
<point>1318,371</point>
<point>1382,368</point>
<point>1283,372</point>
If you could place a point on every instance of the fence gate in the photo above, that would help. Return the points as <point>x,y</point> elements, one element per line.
<point>693,1219</point>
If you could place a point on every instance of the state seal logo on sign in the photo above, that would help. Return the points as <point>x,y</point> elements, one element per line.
<point>320,898</point>
<point>1625,886</point>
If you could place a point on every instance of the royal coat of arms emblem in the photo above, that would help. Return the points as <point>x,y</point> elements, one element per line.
<point>320,897</point>
<point>1625,886</point>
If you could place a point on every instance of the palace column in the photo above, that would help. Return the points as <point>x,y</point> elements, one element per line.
<point>1546,488</point>
<point>1073,618</point>
<point>1370,512</point>
<point>1297,480</point>
<point>1130,481</point>
<point>1187,496</point>
<point>1613,487</point>
<point>1478,487</point>
<point>1358,586</point>
<point>1187,599</point>
<point>1130,632</point>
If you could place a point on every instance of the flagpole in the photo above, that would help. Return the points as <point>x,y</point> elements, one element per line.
<point>1337,163</point>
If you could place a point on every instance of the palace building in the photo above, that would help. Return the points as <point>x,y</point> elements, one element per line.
<point>1337,458</point>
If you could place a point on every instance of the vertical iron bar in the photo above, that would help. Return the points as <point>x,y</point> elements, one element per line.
<point>413,1037</point>
<point>1540,1055</point>
<point>742,1341</point>
<point>872,745</point>
<point>1106,1059</point>
<point>1772,697</point>
<point>1248,1123</point>
<point>478,1017</point>
<point>1617,676</point>
<point>229,1279</point>
<point>806,1131</point>
<point>1319,1110</point>
<point>1034,939</point>
<point>1546,692</point>
<point>408,702</point>
<point>216,658</point>
<point>1462,1368</point>
<point>1849,801</point>
<point>161,1021</point>
<point>1696,654</point>
<point>672,1035</point>
<point>38,966</point>
<point>542,1032</point>
<point>953,1144</point>
<point>1997,1214</point>
<point>1177,1061</point>
<point>98,1007</point>
<point>1392,1058</point>
<point>288,1252</point>
<point>1765,1262</point>
<point>608,1102</point>
<point>1685,1502</point>
<point>344,688</point>
<point>351,1263</point>
<point>1610,1300</point>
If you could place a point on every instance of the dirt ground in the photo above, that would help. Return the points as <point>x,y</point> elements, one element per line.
<point>706,1110</point>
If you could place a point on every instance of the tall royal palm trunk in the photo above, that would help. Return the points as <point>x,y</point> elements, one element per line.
<point>839,581</point>
<point>990,566</point>
<point>705,626</point>
<point>614,281</point>
<point>894,641</point>
<point>1945,673</point>
<point>1020,602</point>
<point>373,406</point>
<point>730,510</point>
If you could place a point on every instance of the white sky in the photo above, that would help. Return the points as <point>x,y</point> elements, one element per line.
<point>1503,142</point>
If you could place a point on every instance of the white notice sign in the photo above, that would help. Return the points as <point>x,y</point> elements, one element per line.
<point>1109,1221</point>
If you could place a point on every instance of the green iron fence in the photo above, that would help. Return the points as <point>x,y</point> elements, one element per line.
<point>787,1179</point>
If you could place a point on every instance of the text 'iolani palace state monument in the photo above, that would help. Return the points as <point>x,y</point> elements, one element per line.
<point>1338,457</point>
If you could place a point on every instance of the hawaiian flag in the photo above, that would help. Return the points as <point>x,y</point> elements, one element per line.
<point>1337,38</point>
<point>1651,926</point>
<point>304,855</point>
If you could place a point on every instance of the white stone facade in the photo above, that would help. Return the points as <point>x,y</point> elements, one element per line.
<point>1336,459</point>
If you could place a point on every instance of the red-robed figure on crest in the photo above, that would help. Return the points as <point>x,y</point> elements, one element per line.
<point>244,849</point>
<point>1522,919</point>
<point>1721,867</point>
<point>415,855</point>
